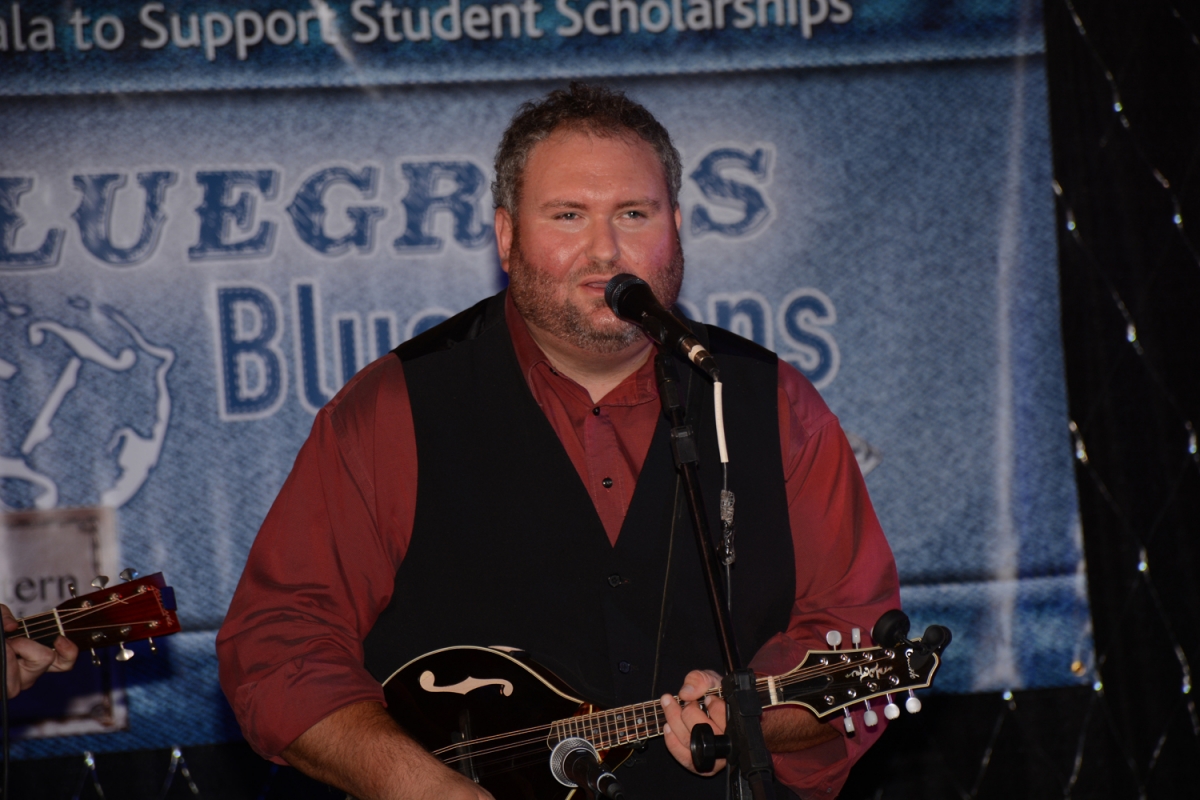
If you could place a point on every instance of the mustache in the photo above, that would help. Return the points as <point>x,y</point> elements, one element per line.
<point>604,268</point>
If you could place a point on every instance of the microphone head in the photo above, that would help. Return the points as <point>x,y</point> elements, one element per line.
<point>558,757</point>
<point>617,288</point>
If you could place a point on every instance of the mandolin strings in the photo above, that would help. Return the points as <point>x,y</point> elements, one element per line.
<point>610,732</point>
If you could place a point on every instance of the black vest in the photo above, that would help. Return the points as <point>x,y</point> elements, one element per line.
<point>507,547</point>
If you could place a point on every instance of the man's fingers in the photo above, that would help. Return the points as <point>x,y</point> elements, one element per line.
<point>697,683</point>
<point>677,734</point>
<point>29,660</point>
<point>66,653</point>
<point>10,622</point>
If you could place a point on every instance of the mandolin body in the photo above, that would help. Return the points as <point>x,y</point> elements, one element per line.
<point>450,699</point>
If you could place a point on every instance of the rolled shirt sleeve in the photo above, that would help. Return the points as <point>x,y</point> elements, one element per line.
<point>845,573</point>
<point>323,566</point>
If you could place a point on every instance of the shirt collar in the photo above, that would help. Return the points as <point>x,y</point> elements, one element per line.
<point>639,387</point>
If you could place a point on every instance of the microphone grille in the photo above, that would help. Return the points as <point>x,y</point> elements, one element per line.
<point>617,286</point>
<point>558,757</point>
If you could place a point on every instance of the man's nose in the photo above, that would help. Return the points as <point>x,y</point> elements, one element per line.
<point>604,246</point>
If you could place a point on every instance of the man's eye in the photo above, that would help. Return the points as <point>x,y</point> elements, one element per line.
<point>631,214</point>
<point>568,215</point>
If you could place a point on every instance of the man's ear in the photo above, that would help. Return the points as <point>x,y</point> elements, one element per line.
<point>504,236</point>
<point>678,219</point>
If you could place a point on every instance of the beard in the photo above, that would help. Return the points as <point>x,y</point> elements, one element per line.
<point>536,295</point>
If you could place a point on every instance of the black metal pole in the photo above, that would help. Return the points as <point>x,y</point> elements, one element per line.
<point>743,704</point>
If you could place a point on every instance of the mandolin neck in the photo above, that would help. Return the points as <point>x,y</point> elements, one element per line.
<point>617,727</point>
<point>827,682</point>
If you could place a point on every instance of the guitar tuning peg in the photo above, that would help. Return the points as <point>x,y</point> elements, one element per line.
<point>870,718</point>
<point>891,710</point>
<point>856,637</point>
<point>100,581</point>
<point>128,574</point>
<point>71,589</point>
<point>125,653</point>
<point>833,638</point>
<point>913,704</point>
<point>849,722</point>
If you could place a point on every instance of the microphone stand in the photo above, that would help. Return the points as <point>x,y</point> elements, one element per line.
<point>743,745</point>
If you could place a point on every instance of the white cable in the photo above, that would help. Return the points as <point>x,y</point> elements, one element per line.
<point>720,412</point>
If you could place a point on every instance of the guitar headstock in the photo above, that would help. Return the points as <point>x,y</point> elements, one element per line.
<point>125,612</point>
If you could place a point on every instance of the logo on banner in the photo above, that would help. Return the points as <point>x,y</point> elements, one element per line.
<point>70,380</point>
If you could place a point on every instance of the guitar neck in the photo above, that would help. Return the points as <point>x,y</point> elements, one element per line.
<point>127,612</point>
<point>43,628</point>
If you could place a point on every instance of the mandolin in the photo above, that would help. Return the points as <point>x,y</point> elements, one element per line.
<point>495,716</point>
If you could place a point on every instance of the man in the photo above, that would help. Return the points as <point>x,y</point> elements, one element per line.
<point>27,660</point>
<point>506,479</point>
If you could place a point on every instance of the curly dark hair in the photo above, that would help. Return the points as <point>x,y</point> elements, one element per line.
<point>597,110</point>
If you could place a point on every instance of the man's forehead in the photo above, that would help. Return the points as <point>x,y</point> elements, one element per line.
<point>583,142</point>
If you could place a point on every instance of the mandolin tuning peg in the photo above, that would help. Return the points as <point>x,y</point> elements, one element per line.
<point>71,589</point>
<point>913,704</point>
<point>153,646</point>
<point>128,574</point>
<point>856,637</point>
<point>100,581</point>
<point>870,718</point>
<point>892,629</point>
<point>124,654</point>
<point>891,710</point>
<point>95,658</point>
<point>849,722</point>
<point>833,639</point>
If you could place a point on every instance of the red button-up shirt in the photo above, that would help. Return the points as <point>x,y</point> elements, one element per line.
<point>324,563</point>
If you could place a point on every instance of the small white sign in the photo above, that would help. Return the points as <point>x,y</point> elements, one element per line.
<point>44,553</point>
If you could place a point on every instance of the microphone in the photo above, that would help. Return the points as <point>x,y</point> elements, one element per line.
<point>632,299</point>
<point>575,762</point>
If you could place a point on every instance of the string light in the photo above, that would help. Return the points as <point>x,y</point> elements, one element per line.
<point>1119,109</point>
<point>1132,136</point>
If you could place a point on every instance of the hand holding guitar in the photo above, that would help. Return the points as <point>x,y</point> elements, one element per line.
<point>138,608</point>
<point>28,660</point>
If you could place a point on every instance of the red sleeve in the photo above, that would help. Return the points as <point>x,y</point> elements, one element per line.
<point>845,574</point>
<point>323,566</point>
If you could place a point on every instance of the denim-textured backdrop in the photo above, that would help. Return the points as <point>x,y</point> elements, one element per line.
<point>873,203</point>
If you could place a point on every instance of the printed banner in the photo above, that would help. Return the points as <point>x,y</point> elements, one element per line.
<point>55,48</point>
<point>187,276</point>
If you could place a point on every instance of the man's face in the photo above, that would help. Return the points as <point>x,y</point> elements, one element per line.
<point>590,208</point>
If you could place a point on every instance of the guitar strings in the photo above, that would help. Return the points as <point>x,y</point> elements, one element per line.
<point>70,617</point>
<point>601,723</point>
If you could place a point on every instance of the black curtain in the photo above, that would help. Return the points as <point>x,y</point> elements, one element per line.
<point>1124,83</point>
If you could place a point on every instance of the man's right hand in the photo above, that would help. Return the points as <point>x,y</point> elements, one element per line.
<point>361,750</point>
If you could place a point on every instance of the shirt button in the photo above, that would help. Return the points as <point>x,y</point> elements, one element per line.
<point>625,666</point>
<point>614,580</point>
<point>606,483</point>
<point>596,411</point>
